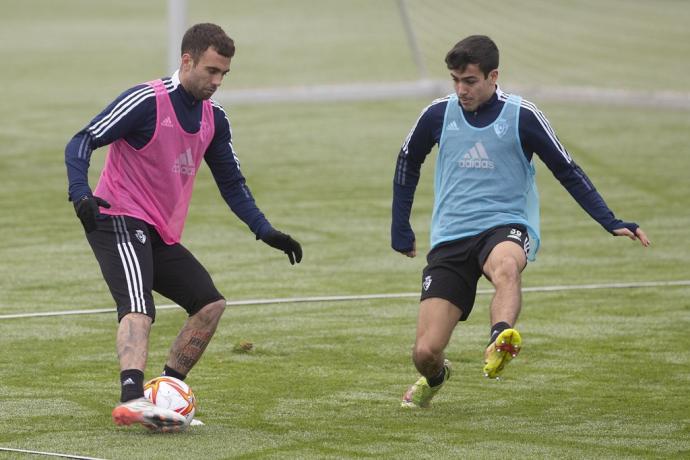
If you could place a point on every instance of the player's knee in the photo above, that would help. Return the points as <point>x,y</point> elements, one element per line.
<point>424,354</point>
<point>133,317</point>
<point>507,270</point>
<point>218,305</point>
<point>213,310</point>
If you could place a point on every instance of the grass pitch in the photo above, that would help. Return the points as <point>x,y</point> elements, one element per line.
<point>601,376</point>
<point>603,373</point>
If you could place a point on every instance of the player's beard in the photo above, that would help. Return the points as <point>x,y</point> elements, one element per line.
<point>203,93</point>
<point>208,92</point>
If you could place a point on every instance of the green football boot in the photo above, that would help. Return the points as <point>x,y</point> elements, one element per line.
<point>420,394</point>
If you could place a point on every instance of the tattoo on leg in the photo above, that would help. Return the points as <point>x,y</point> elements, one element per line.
<point>187,354</point>
<point>194,338</point>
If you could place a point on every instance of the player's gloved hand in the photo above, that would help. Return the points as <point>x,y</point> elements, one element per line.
<point>618,224</point>
<point>403,240</point>
<point>631,230</point>
<point>285,243</point>
<point>87,210</point>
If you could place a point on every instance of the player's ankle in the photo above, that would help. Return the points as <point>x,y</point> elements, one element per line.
<point>496,329</point>
<point>170,372</point>
<point>438,378</point>
<point>132,384</point>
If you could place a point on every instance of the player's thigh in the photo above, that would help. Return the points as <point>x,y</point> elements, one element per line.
<point>505,248</point>
<point>179,276</point>
<point>123,251</point>
<point>506,258</point>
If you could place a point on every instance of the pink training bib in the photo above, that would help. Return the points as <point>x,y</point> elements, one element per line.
<point>155,183</point>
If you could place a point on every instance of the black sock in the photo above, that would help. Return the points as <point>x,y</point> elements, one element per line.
<point>436,381</point>
<point>170,372</point>
<point>132,384</point>
<point>497,329</point>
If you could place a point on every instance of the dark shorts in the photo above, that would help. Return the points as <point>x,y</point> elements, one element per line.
<point>454,268</point>
<point>134,261</point>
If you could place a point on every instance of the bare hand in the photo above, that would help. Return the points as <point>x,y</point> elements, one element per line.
<point>638,235</point>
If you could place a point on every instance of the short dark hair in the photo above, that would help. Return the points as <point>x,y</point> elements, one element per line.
<point>475,49</point>
<point>200,37</point>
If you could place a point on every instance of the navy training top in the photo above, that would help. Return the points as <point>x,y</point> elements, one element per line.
<point>132,117</point>
<point>536,136</point>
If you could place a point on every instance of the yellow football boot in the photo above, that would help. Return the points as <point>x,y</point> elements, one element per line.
<point>506,347</point>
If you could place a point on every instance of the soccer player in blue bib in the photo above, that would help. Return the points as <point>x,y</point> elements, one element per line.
<point>485,218</point>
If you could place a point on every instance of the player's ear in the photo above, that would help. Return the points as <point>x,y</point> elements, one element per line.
<point>187,62</point>
<point>493,75</point>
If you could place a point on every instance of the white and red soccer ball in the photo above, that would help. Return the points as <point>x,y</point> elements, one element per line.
<point>171,393</point>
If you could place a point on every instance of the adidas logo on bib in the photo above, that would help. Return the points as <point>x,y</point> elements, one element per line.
<point>476,157</point>
<point>184,164</point>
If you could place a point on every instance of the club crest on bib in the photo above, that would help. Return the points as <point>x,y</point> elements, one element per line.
<point>204,130</point>
<point>141,236</point>
<point>500,127</point>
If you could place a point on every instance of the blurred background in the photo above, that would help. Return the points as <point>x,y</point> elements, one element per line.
<point>617,44</point>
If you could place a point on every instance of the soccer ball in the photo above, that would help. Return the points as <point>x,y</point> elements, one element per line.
<point>171,393</point>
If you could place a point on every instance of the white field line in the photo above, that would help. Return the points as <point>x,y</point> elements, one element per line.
<point>365,91</point>
<point>48,454</point>
<point>337,298</point>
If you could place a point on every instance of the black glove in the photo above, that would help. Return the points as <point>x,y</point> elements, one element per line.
<point>87,210</point>
<point>285,243</point>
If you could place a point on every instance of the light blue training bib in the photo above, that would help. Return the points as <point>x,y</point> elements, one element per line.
<point>483,178</point>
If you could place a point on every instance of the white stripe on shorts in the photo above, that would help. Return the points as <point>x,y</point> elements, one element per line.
<point>130,264</point>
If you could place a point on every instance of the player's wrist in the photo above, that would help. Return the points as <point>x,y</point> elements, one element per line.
<point>619,224</point>
<point>80,194</point>
<point>264,230</point>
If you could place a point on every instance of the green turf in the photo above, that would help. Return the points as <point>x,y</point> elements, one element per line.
<point>603,374</point>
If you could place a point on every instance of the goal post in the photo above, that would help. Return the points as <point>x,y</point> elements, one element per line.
<point>423,85</point>
<point>177,25</point>
<point>412,40</point>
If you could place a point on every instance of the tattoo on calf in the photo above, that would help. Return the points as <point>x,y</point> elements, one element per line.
<point>190,353</point>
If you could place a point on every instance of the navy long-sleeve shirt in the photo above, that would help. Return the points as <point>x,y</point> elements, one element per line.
<point>536,137</point>
<point>132,117</point>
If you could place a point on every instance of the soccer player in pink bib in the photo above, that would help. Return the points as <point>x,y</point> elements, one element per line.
<point>158,134</point>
